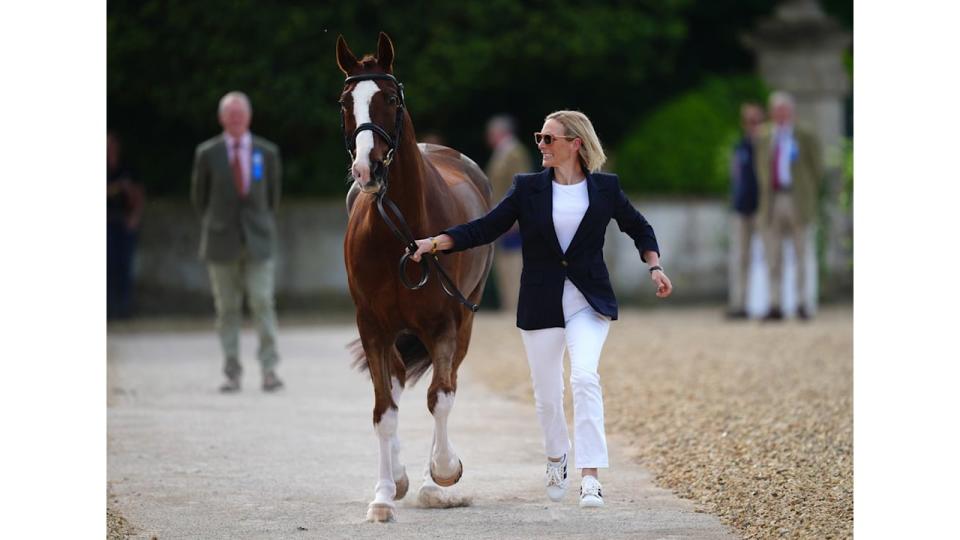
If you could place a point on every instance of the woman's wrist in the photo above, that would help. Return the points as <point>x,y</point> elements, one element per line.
<point>653,268</point>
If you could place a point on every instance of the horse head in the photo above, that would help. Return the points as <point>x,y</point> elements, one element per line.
<point>371,109</point>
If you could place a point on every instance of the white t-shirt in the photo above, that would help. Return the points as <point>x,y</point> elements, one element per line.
<point>570,203</point>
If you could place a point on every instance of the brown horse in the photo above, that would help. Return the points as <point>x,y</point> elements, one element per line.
<point>405,332</point>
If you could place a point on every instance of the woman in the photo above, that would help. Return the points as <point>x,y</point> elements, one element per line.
<point>566,300</point>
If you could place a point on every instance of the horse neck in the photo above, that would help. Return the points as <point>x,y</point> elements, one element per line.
<point>408,176</point>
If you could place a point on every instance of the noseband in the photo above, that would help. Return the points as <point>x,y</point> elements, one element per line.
<point>404,234</point>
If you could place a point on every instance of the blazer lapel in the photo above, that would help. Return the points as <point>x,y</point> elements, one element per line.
<point>542,201</point>
<point>590,216</point>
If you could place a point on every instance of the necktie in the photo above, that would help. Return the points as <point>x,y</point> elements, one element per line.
<point>776,163</point>
<point>237,168</point>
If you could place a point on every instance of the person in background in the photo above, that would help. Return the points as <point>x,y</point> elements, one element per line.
<point>743,224</point>
<point>125,200</point>
<point>509,158</point>
<point>566,298</point>
<point>789,170</point>
<point>432,137</point>
<point>236,189</point>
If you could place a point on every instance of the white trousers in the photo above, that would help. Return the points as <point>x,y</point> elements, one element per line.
<point>583,337</point>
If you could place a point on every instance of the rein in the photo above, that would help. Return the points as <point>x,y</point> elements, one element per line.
<point>404,234</point>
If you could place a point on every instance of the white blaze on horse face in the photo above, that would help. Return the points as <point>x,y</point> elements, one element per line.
<point>362,96</point>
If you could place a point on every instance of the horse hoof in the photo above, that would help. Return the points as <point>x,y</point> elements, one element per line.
<point>381,513</point>
<point>447,482</point>
<point>403,485</point>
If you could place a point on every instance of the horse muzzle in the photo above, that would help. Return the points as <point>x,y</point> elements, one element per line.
<point>378,178</point>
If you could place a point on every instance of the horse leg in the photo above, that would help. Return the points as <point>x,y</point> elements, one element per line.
<point>399,470</point>
<point>385,422</point>
<point>445,467</point>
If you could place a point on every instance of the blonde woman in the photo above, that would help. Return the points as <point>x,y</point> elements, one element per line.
<point>566,300</point>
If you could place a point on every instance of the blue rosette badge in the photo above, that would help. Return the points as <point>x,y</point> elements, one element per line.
<point>256,166</point>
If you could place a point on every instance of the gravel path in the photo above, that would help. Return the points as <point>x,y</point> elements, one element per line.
<point>187,462</point>
<point>753,421</point>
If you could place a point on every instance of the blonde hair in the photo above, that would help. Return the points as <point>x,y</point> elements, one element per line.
<point>576,124</point>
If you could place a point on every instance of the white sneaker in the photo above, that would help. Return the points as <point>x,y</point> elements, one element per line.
<point>557,479</point>
<point>590,492</point>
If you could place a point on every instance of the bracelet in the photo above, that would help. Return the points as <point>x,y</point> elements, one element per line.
<point>435,246</point>
<point>657,267</point>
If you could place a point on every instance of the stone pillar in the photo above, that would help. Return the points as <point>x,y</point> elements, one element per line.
<point>800,50</point>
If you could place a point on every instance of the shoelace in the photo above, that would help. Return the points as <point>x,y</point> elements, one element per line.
<point>592,488</point>
<point>555,473</point>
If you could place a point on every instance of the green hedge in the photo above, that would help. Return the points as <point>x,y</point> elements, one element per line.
<point>684,146</point>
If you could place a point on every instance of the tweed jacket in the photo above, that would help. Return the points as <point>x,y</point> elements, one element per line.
<point>230,223</point>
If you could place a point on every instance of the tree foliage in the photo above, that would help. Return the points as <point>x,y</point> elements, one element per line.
<point>461,62</point>
<point>684,147</point>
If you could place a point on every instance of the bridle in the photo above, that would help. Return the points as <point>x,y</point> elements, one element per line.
<point>404,234</point>
<point>392,142</point>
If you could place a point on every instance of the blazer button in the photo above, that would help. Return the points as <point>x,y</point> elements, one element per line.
<point>563,263</point>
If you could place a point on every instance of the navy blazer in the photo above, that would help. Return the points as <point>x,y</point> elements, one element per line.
<point>530,201</point>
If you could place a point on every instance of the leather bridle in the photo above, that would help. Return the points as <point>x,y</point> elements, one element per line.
<point>403,232</point>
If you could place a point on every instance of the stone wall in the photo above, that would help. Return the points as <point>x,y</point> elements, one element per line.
<point>310,272</point>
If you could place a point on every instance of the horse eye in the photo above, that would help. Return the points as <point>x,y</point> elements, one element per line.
<point>392,100</point>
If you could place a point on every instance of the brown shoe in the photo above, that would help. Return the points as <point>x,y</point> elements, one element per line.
<point>773,315</point>
<point>271,382</point>
<point>737,314</point>
<point>231,385</point>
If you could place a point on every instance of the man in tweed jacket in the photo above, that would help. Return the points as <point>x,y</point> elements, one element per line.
<point>236,189</point>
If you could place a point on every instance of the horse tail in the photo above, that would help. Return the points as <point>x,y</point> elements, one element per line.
<point>359,356</point>
<point>416,358</point>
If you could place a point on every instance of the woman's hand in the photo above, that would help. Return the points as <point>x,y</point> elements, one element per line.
<point>664,287</point>
<point>424,245</point>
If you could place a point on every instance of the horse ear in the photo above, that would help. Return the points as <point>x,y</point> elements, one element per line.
<point>385,53</point>
<point>345,59</point>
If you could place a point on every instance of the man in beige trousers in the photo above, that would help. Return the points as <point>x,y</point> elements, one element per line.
<point>236,189</point>
<point>789,172</point>
<point>509,158</point>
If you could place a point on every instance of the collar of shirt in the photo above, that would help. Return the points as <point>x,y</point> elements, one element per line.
<point>783,132</point>
<point>245,141</point>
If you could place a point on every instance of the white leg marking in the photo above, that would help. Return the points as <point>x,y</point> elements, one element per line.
<point>399,471</point>
<point>386,431</point>
<point>444,459</point>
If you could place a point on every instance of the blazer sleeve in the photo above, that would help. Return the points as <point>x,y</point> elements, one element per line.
<point>276,174</point>
<point>633,223</point>
<point>489,227</point>
<point>200,181</point>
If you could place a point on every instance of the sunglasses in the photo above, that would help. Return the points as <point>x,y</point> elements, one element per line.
<point>548,138</point>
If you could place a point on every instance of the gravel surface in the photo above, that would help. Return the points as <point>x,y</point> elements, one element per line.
<point>752,421</point>
<point>184,461</point>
